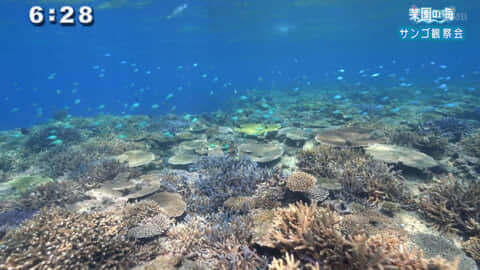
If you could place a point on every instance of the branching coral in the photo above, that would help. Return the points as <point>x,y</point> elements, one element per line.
<point>432,145</point>
<point>471,144</point>
<point>43,138</point>
<point>313,236</point>
<point>449,127</point>
<point>218,244</point>
<point>472,247</point>
<point>270,193</point>
<point>286,263</point>
<point>58,239</point>
<point>57,193</point>
<point>151,227</point>
<point>358,173</point>
<point>225,177</point>
<point>453,206</point>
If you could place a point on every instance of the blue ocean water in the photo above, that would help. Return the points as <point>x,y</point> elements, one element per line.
<point>214,51</point>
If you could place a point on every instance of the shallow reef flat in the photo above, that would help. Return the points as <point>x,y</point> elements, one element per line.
<point>282,181</point>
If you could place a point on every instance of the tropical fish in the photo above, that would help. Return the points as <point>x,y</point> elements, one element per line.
<point>177,11</point>
<point>52,137</point>
<point>56,142</point>
<point>169,96</point>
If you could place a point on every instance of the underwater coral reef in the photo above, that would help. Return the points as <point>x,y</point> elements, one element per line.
<point>339,193</point>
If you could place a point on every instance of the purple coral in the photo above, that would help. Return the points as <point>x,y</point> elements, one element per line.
<point>224,177</point>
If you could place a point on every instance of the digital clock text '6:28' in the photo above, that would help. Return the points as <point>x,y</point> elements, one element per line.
<point>38,17</point>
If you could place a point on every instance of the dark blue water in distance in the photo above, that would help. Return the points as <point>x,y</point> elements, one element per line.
<point>239,45</point>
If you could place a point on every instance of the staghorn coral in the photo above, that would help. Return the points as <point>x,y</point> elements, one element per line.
<point>57,193</point>
<point>225,177</point>
<point>230,247</point>
<point>472,247</point>
<point>66,160</point>
<point>359,174</point>
<point>313,236</point>
<point>37,140</point>
<point>99,171</point>
<point>471,144</point>
<point>432,145</point>
<point>449,127</point>
<point>270,193</point>
<point>452,205</point>
<point>286,263</point>
<point>151,227</point>
<point>218,244</point>
<point>56,238</point>
<point>135,213</point>
<point>306,230</point>
<point>300,182</point>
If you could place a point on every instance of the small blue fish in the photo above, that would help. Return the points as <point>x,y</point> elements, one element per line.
<point>56,142</point>
<point>135,105</point>
<point>204,75</point>
<point>339,78</point>
<point>77,101</point>
<point>336,112</point>
<point>239,111</point>
<point>374,75</point>
<point>169,96</point>
<point>122,136</point>
<point>243,97</point>
<point>155,106</point>
<point>119,126</point>
<point>52,76</point>
<point>194,120</point>
<point>52,137</point>
<point>451,105</point>
<point>101,107</point>
<point>337,97</point>
<point>396,109</point>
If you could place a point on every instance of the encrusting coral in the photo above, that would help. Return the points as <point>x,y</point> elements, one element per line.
<point>453,206</point>
<point>312,235</point>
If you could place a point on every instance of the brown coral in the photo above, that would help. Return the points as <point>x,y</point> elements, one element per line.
<point>58,239</point>
<point>359,174</point>
<point>472,247</point>
<point>300,182</point>
<point>286,263</point>
<point>313,236</point>
<point>453,205</point>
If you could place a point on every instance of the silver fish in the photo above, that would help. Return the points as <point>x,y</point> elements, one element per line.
<point>178,10</point>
